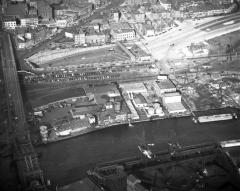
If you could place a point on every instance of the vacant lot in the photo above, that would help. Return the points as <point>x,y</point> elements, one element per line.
<point>42,96</point>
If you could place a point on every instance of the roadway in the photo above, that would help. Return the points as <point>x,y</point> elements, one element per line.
<point>12,85</point>
<point>182,36</point>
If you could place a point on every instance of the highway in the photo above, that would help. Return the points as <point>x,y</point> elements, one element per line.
<point>184,35</point>
<point>12,85</point>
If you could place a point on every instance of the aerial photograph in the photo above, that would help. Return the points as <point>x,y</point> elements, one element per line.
<point>120,95</point>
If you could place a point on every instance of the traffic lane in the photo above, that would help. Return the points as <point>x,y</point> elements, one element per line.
<point>227,17</point>
<point>12,82</point>
<point>160,49</point>
<point>66,161</point>
<point>185,33</point>
<point>223,24</point>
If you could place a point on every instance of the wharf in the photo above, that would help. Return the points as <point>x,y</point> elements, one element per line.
<point>93,129</point>
<point>126,123</point>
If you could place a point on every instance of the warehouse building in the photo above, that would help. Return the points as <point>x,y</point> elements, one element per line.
<point>166,85</point>
<point>173,102</point>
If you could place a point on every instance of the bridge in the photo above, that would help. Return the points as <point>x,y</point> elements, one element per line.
<point>30,174</point>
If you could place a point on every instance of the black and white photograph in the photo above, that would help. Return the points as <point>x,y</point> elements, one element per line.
<point>120,95</point>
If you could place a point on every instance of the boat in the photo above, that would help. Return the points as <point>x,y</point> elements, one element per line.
<point>230,143</point>
<point>145,150</point>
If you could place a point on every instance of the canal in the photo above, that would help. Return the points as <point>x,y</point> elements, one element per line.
<point>67,161</point>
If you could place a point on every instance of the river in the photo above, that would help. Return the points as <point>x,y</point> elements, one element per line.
<point>67,161</point>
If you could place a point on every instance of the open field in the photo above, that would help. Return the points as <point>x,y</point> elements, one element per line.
<point>38,97</point>
<point>96,56</point>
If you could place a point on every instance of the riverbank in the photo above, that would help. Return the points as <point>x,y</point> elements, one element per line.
<point>67,161</point>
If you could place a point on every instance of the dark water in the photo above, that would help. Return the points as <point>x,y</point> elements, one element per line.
<point>67,161</point>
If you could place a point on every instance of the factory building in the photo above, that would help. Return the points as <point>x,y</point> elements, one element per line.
<point>173,102</point>
<point>134,87</point>
<point>166,85</point>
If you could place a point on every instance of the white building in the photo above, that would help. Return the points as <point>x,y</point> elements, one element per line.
<point>134,87</point>
<point>9,23</point>
<point>123,34</point>
<point>172,97</point>
<point>166,85</point>
<point>79,38</point>
<point>172,102</point>
<point>149,31</point>
<point>64,21</point>
<point>116,16</point>
<point>29,21</point>
<point>167,5</point>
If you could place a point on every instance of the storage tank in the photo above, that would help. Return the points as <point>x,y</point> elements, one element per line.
<point>150,111</point>
<point>43,128</point>
<point>44,133</point>
<point>117,106</point>
<point>158,110</point>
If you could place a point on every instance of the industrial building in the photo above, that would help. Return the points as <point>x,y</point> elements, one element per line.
<point>173,102</point>
<point>133,87</point>
<point>166,85</point>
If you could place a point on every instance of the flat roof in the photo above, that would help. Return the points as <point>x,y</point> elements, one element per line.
<point>121,26</point>
<point>18,9</point>
<point>176,106</point>
<point>8,18</point>
<point>133,86</point>
<point>171,94</point>
<point>85,184</point>
<point>165,84</point>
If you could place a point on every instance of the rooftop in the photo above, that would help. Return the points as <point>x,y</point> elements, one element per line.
<point>165,84</point>
<point>176,106</point>
<point>8,18</point>
<point>172,94</point>
<point>131,87</point>
<point>120,26</point>
<point>19,9</point>
<point>85,109</point>
<point>85,184</point>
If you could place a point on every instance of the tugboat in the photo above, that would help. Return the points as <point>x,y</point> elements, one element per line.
<point>145,150</point>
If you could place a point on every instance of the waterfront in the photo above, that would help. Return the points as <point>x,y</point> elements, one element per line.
<point>67,161</point>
